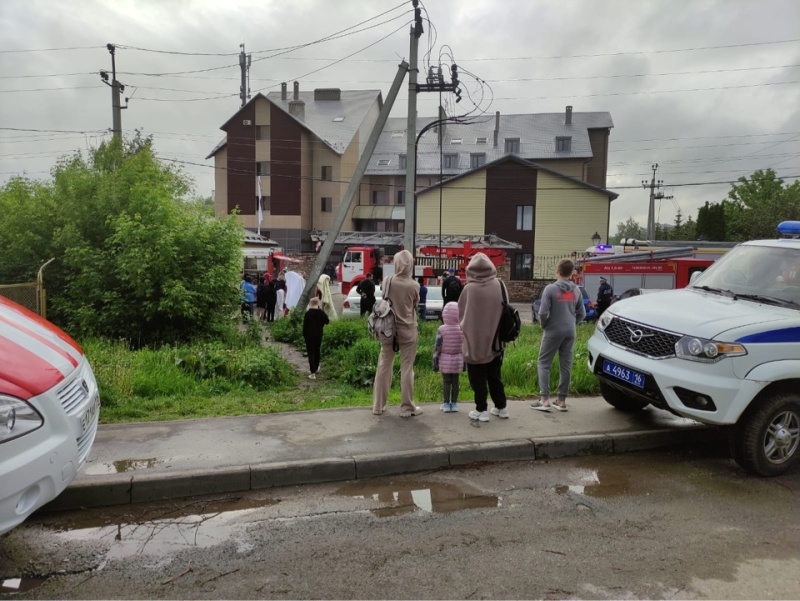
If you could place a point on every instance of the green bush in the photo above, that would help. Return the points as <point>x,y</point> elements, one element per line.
<point>344,333</point>
<point>288,329</point>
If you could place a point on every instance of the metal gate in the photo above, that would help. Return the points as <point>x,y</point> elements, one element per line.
<point>30,295</point>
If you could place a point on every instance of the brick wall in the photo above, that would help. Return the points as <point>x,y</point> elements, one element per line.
<point>520,291</point>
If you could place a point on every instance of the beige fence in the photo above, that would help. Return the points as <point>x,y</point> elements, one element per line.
<point>30,295</point>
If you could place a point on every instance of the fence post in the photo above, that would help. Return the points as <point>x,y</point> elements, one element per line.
<point>41,298</point>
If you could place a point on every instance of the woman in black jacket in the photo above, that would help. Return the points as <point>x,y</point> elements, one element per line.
<point>271,300</point>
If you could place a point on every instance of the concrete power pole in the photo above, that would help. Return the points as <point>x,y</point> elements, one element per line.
<point>116,88</point>
<point>655,194</point>
<point>409,238</point>
<point>244,65</point>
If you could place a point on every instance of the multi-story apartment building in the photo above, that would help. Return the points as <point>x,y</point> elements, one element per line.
<point>305,149</point>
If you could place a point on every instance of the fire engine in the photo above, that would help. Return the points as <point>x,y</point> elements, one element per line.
<point>456,252</point>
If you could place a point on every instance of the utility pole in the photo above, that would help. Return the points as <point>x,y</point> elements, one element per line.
<point>244,65</point>
<point>655,194</point>
<point>409,238</point>
<point>116,88</point>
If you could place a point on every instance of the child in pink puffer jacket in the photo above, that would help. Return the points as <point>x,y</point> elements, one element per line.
<point>448,356</point>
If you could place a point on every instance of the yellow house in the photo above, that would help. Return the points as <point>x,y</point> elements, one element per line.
<point>548,213</point>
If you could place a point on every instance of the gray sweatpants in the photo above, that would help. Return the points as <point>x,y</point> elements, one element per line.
<point>562,343</point>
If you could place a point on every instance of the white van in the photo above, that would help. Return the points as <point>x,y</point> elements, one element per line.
<point>49,407</point>
<point>725,351</point>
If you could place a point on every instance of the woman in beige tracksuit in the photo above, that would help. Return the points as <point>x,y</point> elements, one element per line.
<point>403,291</point>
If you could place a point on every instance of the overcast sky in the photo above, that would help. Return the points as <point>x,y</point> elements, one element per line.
<point>746,117</point>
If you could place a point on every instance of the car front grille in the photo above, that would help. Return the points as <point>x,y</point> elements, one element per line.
<point>73,395</point>
<point>641,339</point>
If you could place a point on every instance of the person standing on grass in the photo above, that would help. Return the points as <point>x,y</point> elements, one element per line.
<point>248,297</point>
<point>280,288</point>
<point>423,299</point>
<point>272,300</point>
<point>479,308</point>
<point>451,287</point>
<point>448,356</point>
<point>261,299</point>
<point>314,322</point>
<point>366,288</point>
<point>561,310</point>
<point>403,293</point>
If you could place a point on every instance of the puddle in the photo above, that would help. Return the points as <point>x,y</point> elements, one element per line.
<point>157,531</point>
<point>121,466</point>
<point>20,585</point>
<point>603,483</point>
<point>410,496</point>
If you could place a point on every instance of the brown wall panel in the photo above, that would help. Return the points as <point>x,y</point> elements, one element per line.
<point>285,164</point>
<point>241,162</point>
<point>597,168</point>
<point>509,185</point>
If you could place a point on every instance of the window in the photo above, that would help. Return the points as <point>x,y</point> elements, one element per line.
<point>326,206</point>
<point>383,162</point>
<point>525,217</point>
<point>476,160</point>
<point>338,119</point>
<point>262,132</point>
<point>327,173</point>
<point>262,167</point>
<point>512,145</point>
<point>455,141</point>
<point>403,161</point>
<point>563,143</point>
<point>523,266</point>
<point>380,197</point>
<point>401,197</point>
<point>450,161</point>
<point>480,140</point>
<point>266,204</point>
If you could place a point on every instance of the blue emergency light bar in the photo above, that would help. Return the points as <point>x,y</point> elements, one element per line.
<point>789,228</point>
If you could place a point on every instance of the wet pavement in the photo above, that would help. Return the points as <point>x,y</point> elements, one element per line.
<point>681,524</point>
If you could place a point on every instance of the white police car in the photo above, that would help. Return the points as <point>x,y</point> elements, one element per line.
<point>725,351</point>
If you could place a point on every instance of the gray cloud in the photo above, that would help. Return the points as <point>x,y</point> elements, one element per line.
<point>645,108</point>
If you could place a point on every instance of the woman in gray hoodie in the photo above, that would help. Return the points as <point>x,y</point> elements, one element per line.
<point>561,310</point>
<point>479,308</point>
<point>403,292</point>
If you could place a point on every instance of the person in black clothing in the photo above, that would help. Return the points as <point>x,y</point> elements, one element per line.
<point>366,288</point>
<point>604,295</point>
<point>451,288</point>
<point>271,300</point>
<point>261,299</point>
<point>313,323</point>
<point>423,299</point>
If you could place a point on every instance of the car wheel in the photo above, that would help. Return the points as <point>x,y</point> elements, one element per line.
<point>766,441</point>
<point>619,400</point>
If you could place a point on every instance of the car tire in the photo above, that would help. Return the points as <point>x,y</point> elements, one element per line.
<point>766,440</point>
<point>621,401</point>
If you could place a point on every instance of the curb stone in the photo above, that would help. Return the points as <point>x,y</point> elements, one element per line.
<point>121,489</point>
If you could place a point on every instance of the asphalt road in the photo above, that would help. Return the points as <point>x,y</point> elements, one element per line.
<point>683,524</point>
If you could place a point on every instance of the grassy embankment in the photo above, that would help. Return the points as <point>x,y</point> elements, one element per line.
<point>239,376</point>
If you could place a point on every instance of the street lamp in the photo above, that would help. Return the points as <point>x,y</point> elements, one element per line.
<point>596,239</point>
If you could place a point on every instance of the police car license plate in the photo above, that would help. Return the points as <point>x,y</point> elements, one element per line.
<point>87,419</point>
<point>623,373</point>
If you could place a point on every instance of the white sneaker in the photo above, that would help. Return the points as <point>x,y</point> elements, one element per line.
<point>501,413</point>
<point>446,407</point>
<point>481,416</point>
<point>312,376</point>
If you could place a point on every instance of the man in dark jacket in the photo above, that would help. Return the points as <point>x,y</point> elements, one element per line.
<point>604,296</point>
<point>451,288</point>
<point>366,288</point>
<point>313,323</point>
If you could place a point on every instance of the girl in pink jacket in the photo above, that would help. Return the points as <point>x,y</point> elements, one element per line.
<point>448,356</point>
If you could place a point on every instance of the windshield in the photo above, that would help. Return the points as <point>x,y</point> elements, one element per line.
<point>767,272</point>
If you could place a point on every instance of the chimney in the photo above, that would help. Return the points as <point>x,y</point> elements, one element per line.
<point>283,91</point>
<point>496,127</point>
<point>296,91</point>
<point>327,94</point>
<point>568,118</point>
<point>297,108</point>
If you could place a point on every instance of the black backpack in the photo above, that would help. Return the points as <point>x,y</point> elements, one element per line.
<point>510,323</point>
<point>454,288</point>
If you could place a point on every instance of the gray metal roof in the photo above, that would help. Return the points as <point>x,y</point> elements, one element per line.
<point>220,145</point>
<point>320,114</point>
<point>537,133</point>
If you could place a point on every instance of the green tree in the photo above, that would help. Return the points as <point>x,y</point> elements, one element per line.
<point>629,229</point>
<point>757,205</point>
<point>134,260</point>
<point>711,222</point>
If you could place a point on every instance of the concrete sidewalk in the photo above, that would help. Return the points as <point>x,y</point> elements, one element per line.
<point>156,460</point>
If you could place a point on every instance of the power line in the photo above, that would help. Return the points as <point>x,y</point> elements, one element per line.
<point>50,89</point>
<point>52,49</point>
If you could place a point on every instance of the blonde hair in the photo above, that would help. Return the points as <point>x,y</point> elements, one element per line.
<point>565,268</point>
<point>313,303</point>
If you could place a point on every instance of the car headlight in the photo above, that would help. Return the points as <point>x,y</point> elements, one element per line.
<point>604,320</point>
<point>17,418</point>
<point>692,348</point>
